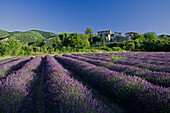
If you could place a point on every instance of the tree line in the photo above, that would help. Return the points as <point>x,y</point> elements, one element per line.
<point>74,42</point>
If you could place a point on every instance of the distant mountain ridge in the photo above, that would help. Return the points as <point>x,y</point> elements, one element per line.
<point>27,36</point>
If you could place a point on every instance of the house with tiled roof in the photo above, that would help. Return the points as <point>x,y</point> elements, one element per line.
<point>130,34</point>
<point>119,34</point>
<point>107,34</point>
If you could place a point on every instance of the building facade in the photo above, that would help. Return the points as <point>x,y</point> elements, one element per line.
<point>107,34</point>
<point>130,34</point>
<point>119,34</point>
<point>116,37</point>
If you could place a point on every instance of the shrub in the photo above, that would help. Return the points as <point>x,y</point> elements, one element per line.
<point>116,49</point>
<point>105,48</point>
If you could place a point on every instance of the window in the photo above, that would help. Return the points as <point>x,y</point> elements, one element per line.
<point>100,34</point>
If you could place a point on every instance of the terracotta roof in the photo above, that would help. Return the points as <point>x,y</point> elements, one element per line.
<point>131,33</point>
<point>104,31</point>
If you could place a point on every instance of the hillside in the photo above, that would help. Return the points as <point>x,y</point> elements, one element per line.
<point>46,35</point>
<point>3,34</point>
<point>28,36</point>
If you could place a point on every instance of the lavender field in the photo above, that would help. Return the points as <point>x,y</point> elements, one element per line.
<point>122,82</point>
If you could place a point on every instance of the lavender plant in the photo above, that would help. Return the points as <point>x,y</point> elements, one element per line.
<point>14,89</point>
<point>135,92</point>
<point>9,60</point>
<point>65,94</point>
<point>158,78</point>
<point>153,67</point>
<point>7,68</point>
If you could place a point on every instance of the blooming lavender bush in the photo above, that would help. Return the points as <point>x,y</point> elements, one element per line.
<point>136,93</point>
<point>9,60</point>
<point>158,78</point>
<point>9,67</point>
<point>152,67</point>
<point>65,94</point>
<point>14,89</point>
<point>137,63</point>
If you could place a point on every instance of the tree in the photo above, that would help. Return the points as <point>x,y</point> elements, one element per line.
<point>138,43</point>
<point>139,36</point>
<point>96,38</point>
<point>13,46</point>
<point>26,50</point>
<point>40,42</point>
<point>74,40</point>
<point>85,40</point>
<point>151,36</point>
<point>164,37</point>
<point>3,48</point>
<point>63,37</point>
<point>89,31</point>
<point>103,41</point>
<point>130,46</point>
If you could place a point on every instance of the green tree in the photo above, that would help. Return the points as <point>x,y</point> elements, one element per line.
<point>130,46</point>
<point>74,40</point>
<point>96,38</point>
<point>151,36</point>
<point>3,48</point>
<point>13,46</point>
<point>85,40</point>
<point>103,41</point>
<point>40,42</point>
<point>26,50</point>
<point>63,37</point>
<point>164,37</point>
<point>139,36</point>
<point>138,43</point>
<point>90,31</point>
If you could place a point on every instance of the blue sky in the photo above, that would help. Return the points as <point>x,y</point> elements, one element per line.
<point>76,15</point>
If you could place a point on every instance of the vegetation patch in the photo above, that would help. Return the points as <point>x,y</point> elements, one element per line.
<point>114,58</point>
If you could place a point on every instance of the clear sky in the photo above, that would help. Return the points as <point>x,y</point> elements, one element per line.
<point>76,15</point>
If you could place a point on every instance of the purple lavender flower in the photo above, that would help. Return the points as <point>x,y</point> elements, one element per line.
<point>136,93</point>
<point>9,60</point>
<point>65,94</point>
<point>14,89</point>
<point>158,78</point>
<point>7,68</point>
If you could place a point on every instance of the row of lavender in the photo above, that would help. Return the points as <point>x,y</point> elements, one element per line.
<point>15,88</point>
<point>153,67</point>
<point>9,60</point>
<point>135,92</point>
<point>145,55</point>
<point>155,58</point>
<point>7,68</point>
<point>65,94</point>
<point>142,57</point>
<point>139,55</point>
<point>158,78</point>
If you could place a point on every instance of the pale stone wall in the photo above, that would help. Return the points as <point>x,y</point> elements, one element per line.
<point>106,34</point>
